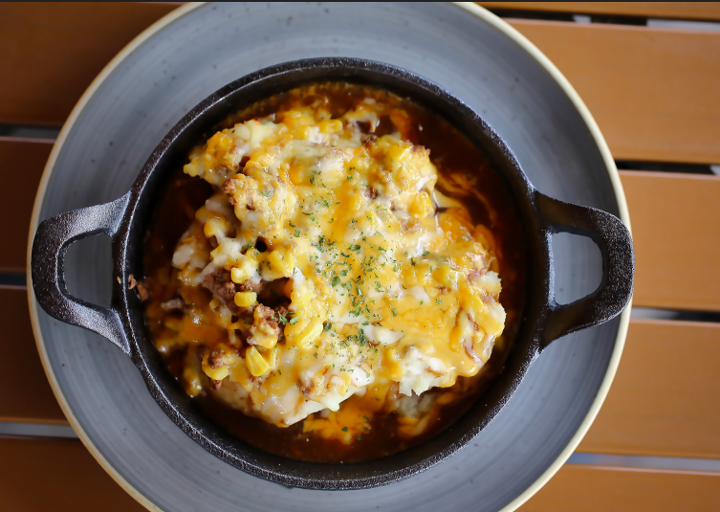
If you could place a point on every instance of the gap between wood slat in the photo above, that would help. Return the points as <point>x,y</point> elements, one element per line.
<point>72,480</point>
<point>658,405</point>
<point>590,489</point>
<point>679,10</point>
<point>676,237</point>
<point>652,91</point>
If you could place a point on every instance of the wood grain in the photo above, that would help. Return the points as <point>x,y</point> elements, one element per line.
<point>658,404</point>
<point>676,233</point>
<point>652,91</point>
<point>72,480</point>
<point>22,164</point>
<point>42,474</point>
<point>708,11</point>
<point>26,394</point>
<point>52,51</point>
<point>677,247</point>
<point>586,489</point>
<point>663,400</point>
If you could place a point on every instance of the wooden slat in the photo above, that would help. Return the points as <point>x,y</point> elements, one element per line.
<point>676,233</point>
<point>676,246</point>
<point>658,404</point>
<point>680,10</point>
<point>664,399</point>
<point>21,165</point>
<point>26,394</point>
<point>40,475</point>
<point>652,91</point>
<point>44,475</point>
<point>587,489</point>
<point>52,51</point>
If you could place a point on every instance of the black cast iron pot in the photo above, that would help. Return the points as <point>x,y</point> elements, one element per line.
<point>126,221</point>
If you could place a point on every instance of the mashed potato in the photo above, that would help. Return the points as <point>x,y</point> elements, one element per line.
<point>335,269</point>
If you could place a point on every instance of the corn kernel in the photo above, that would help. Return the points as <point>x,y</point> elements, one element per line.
<point>256,363</point>
<point>308,335</point>
<point>282,261</point>
<point>263,338</point>
<point>215,373</point>
<point>398,153</point>
<point>215,226</point>
<point>192,384</point>
<point>396,372</point>
<point>300,297</point>
<point>239,275</point>
<point>245,299</point>
<point>271,357</point>
<point>330,126</point>
<point>421,205</point>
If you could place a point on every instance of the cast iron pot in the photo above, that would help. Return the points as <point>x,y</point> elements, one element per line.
<point>126,221</point>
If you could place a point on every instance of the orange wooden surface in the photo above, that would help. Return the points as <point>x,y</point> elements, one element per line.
<point>648,412</point>
<point>622,73</point>
<point>52,51</point>
<point>586,489</point>
<point>21,164</point>
<point>653,92</point>
<point>39,475</point>
<point>705,11</point>
<point>61,475</point>
<point>688,279</point>
<point>654,95</point>
<point>26,394</point>
<point>676,231</point>
<point>663,399</point>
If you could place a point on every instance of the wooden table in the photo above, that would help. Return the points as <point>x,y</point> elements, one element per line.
<point>654,91</point>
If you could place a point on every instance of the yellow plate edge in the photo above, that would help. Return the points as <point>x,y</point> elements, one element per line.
<point>472,8</point>
<point>614,362</point>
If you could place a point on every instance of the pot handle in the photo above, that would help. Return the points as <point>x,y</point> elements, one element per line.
<point>52,239</point>
<point>618,266</point>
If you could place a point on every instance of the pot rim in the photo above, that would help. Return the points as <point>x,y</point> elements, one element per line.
<point>182,11</point>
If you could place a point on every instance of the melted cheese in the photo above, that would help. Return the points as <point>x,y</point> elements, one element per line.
<point>381,287</point>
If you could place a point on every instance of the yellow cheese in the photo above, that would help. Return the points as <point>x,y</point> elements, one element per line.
<point>381,287</point>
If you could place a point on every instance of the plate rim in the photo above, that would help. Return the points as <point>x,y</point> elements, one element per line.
<point>469,7</point>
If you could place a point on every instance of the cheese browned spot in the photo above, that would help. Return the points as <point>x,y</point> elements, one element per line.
<point>332,271</point>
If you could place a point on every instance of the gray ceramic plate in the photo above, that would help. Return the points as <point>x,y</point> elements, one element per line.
<point>197,49</point>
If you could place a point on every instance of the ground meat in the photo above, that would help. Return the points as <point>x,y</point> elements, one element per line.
<point>370,193</point>
<point>250,286</point>
<point>267,316</point>
<point>221,285</point>
<point>410,225</point>
<point>283,309</point>
<point>142,290</point>
<point>229,188</point>
<point>216,359</point>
